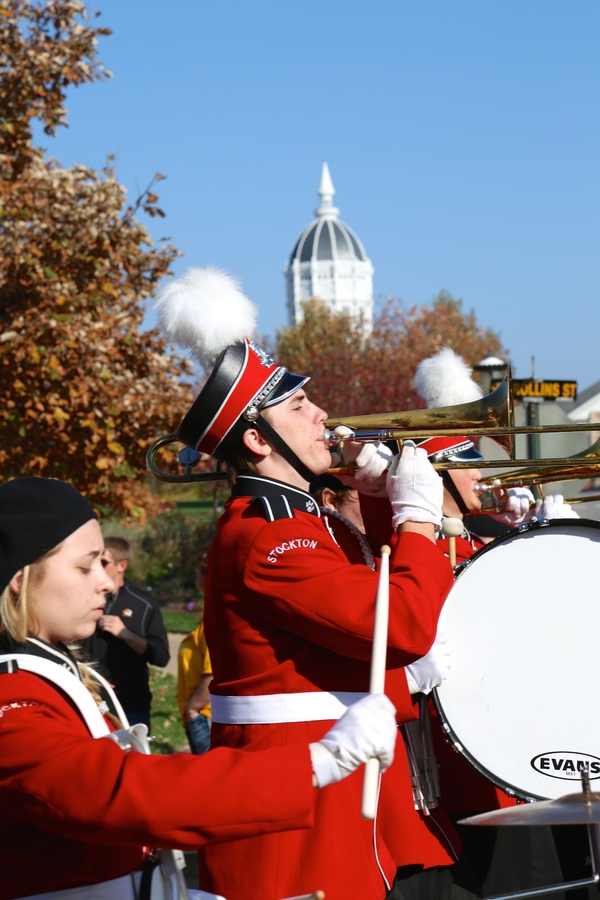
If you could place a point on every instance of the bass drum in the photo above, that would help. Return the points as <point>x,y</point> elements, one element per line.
<point>523,621</point>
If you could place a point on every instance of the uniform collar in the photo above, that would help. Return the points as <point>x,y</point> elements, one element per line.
<point>34,646</point>
<point>259,486</point>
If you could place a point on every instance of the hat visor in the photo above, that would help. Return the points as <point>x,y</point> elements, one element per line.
<point>465,455</point>
<point>286,387</point>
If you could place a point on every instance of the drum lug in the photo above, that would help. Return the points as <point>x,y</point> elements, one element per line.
<point>535,522</point>
<point>456,745</point>
<point>462,567</point>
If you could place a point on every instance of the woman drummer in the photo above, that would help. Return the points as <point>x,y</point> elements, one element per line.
<point>75,810</point>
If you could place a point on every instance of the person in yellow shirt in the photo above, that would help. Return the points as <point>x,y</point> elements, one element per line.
<point>194,674</point>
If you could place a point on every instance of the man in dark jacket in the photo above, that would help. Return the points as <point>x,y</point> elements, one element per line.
<point>130,634</point>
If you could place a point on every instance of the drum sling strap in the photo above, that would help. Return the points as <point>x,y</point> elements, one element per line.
<point>162,878</point>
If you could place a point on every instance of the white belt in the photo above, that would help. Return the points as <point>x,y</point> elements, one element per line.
<point>271,709</point>
<point>124,888</point>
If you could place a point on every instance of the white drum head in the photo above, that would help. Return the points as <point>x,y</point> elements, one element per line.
<point>523,620</point>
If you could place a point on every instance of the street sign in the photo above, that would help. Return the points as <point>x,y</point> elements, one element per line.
<point>532,389</point>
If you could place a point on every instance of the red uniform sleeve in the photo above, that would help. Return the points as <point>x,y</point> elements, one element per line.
<point>88,789</point>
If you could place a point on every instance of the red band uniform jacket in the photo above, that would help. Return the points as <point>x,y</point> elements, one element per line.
<point>76,810</point>
<point>286,612</point>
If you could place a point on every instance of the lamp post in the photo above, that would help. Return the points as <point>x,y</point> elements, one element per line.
<point>489,370</point>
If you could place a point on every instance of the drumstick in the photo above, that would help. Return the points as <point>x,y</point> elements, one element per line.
<point>377,684</point>
<point>451,528</point>
<point>317,895</point>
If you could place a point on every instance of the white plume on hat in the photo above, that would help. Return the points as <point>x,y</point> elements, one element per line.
<point>206,311</point>
<point>445,380</point>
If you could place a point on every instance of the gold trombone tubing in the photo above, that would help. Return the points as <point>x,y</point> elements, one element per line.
<point>560,464</point>
<point>593,498</point>
<point>585,464</point>
<point>179,478</point>
<point>582,465</point>
<point>491,416</point>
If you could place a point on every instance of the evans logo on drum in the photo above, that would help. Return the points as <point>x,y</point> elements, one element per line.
<point>567,766</point>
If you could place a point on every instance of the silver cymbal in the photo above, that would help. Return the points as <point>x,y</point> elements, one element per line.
<point>572,809</point>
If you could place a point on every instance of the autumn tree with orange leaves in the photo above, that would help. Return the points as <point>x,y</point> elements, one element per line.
<point>82,391</point>
<point>353,374</point>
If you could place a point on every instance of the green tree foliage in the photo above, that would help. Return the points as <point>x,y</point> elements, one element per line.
<point>82,391</point>
<point>353,374</point>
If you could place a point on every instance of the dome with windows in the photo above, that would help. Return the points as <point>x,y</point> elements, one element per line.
<point>329,262</point>
<point>327,238</point>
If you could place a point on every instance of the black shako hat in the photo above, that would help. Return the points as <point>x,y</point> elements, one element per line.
<point>206,311</point>
<point>244,381</point>
<point>36,514</point>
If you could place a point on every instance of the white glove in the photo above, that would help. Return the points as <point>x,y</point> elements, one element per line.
<point>371,461</point>
<point>415,489</point>
<point>518,505</point>
<point>367,729</point>
<point>554,507</point>
<point>429,671</point>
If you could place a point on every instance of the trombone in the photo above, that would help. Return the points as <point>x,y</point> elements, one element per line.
<point>491,416</point>
<point>585,464</point>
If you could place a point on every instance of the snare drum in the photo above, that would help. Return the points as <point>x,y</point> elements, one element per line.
<point>523,620</point>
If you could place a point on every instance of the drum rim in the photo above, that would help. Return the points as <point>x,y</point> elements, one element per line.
<point>458,746</point>
<point>534,525</point>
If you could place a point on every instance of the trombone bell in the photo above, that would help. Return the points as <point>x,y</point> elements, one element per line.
<point>491,415</point>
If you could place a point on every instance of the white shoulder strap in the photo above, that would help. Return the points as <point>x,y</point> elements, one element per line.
<point>121,714</point>
<point>69,683</point>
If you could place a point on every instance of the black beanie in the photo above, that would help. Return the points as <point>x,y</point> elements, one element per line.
<point>36,514</point>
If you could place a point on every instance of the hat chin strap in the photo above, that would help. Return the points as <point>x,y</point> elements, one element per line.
<point>454,492</point>
<point>282,448</point>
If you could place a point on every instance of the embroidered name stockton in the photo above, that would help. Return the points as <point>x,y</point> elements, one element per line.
<point>296,544</point>
<point>18,704</point>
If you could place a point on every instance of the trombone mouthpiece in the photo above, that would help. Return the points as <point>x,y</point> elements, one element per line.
<point>364,437</point>
<point>493,497</point>
<point>332,439</point>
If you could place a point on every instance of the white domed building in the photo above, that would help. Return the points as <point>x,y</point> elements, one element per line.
<point>329,262</point>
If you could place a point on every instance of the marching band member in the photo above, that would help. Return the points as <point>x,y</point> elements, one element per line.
<point>289,620</point>
<point>76,812</point>
<point>504,859</point>
<point>445,380</point>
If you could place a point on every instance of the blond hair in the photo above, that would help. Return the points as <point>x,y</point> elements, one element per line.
<point>16,619</point>
<point>19,622</point>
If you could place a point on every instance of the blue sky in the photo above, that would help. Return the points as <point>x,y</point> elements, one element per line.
<point>462,136</point>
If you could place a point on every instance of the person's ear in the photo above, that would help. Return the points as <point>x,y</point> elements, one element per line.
<point>16,582</point>
<point>256,443</point>
<point>123,565</point>
<point>328,498</point>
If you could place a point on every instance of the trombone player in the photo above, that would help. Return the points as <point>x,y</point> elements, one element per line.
<point>289,620</point>
<point>445,380</point>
